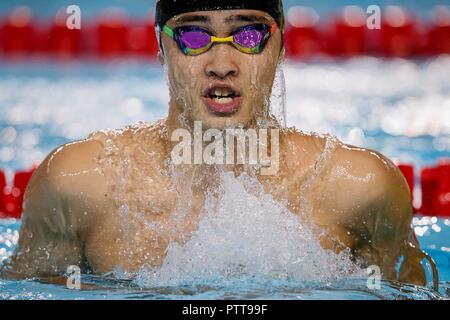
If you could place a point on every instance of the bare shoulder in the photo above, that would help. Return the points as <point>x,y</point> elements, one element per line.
<point>369,169</point>
<point>75,167</point>
<point>69,167</point>
<point>295,139</point>
<point>301,149</point>
<point>378,196</point>
<point>349,178</point>
<point>371,192</point>
<point>51,223</point>
<point>361,166</point>
<point>358,195</point>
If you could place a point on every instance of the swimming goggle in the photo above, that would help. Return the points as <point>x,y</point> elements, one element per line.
<point>195,40</point>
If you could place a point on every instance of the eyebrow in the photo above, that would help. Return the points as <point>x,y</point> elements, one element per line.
<point>192,18</point>
<point>246,18</point>
<point>234,18</point>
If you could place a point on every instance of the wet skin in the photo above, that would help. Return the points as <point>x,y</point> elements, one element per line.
<point>75,211</point>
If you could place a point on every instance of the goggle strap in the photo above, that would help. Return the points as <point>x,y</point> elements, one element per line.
<point>273,28</point>
<point>167,30</point>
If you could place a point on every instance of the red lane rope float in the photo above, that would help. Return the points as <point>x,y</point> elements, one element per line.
<point>142,39</point>
<point>439,34</point>
<point>112,32</point>
<point>3,211</point>
<point>344,34</point>
<point>302,38</point>
<point>117,36</point>
<point>435,188</point>
<point>408,173</point>
<point>61,41</point>
<point>11,197</point>
<point>434,182</point>
<point>403,35</point>
<point>17,32</point>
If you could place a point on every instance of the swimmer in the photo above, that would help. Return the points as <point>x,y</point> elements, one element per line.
<point>91,201</point>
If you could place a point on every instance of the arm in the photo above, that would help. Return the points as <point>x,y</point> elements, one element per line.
<point>364,199</point>
<point>48,240</point>
<point>391,234</point>
<point>387,210</point>
<point>411,270</point>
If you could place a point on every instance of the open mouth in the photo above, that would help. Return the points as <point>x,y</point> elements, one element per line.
<point>222,99</point>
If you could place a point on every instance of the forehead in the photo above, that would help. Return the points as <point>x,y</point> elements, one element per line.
<point>221,17</point>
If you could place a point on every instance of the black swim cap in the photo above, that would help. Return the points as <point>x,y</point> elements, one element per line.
<point>167,9</point>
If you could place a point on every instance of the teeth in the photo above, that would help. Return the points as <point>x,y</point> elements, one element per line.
<point>222,92</point>
<point>223,100</point>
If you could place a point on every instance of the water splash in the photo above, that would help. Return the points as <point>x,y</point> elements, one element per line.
<point>278,96</point>
<point>244,234</point>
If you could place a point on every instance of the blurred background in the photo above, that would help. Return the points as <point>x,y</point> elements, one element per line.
<point>139,8</point>
<point>386,89</point>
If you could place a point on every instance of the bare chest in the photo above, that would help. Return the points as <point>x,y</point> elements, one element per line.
<point>143,216</point>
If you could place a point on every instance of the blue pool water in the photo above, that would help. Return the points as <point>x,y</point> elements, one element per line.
<point>434,240</point>
<point>399,107</point>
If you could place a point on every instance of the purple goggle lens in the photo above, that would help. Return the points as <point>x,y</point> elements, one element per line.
<point>248,36</point>
<point>195,38</point>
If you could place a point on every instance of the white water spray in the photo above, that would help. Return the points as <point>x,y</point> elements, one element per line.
<point>245,234</point>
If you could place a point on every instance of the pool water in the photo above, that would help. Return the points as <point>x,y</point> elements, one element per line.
<point>434,240</point>
<point>399,107</point>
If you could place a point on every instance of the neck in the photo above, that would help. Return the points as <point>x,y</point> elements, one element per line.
<point>176,120</point>
<point>195,144</point>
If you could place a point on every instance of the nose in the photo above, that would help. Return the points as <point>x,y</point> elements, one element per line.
<point>222,62</point>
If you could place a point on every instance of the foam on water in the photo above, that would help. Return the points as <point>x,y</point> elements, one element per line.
<point>245,234</point>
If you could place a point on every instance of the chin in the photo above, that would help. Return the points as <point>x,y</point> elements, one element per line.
<point>223,122</point>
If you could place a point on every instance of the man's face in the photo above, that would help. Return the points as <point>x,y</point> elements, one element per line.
<point>196,81</point>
